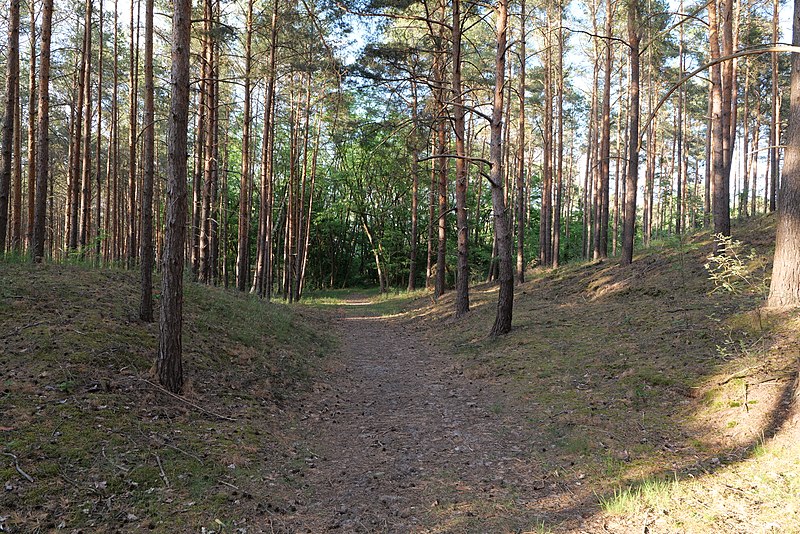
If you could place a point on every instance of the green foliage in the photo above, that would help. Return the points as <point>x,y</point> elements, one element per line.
<point>733,270</point>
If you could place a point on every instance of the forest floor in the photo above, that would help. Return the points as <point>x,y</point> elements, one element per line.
<point>634,399</point>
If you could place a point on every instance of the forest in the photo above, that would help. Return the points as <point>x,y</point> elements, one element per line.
<point>252,214</point>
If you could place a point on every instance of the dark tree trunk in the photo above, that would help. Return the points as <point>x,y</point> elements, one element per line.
<point>11,98</point>
<point>148,154</point>
<point>42,131</point>
<point>133,89</point>
<point>243,251</point>
<point>629,226</point>
<point>86,164</point>
<point>521,151</point>
<point>168,363</point>
<point>720,182</point>
<point>462,274</point>
<point>32,119</point>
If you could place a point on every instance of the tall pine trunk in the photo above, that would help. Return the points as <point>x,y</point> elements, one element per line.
<point>10,106</point>
<point>148,154</point>
<point>629,225</point>
<point>42,132</point>
<point>462,275</point>
<point>168,363</point>
<point>502,230</point>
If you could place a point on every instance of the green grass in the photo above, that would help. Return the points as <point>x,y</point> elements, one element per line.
<point>103,445</point>
<point>652,493</point>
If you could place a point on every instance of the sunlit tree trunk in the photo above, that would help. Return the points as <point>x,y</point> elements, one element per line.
<point>784,287</point>
<point>720,182</point>
<point>502,231</point>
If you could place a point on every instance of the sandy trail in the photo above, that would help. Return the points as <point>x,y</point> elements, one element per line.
<point>399,440</point>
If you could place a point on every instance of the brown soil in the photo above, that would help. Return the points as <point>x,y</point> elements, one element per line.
<point>400,440</point>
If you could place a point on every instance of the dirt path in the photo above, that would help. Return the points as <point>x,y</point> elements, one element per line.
<point>399,440</point>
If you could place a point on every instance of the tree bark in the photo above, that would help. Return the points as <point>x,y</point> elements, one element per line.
<point>462,274</point>
<point>168,364</point>
<point>243,250</point>
<point>521,150</point>
<point>720,182</point>
<point>32,120</point>
<point>86,165</point>
<point>784,287</point>
<point>10,106</point>
<point>42,132</point>
<point>133,89</point>
<point>629,225</point>
<point>505,298</point>
<point>148,154</point>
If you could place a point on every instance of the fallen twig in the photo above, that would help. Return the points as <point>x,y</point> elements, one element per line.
<point>229,485</point>
<point>163,474</point>
<point>740,374</point>
<point>19,329</point>
<point>193,405</point>
<point>123,469</point>
<point>18,468</point>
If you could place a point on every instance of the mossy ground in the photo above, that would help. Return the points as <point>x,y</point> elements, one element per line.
<point>650,400</point>
<point>108,451</point>
<point>651,390</point>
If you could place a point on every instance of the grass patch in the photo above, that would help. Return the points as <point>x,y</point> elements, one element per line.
<point>108,451</point>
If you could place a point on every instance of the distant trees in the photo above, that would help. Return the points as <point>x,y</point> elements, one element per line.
<point>287,193</point>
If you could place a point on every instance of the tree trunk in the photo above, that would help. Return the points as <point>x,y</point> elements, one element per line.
<point>521,150</point>
<point>148,154</point>
<point>784,288</point>
<point>462,273</point>
<point>86,165</point>
<point>243,250</point>
<point>774,122</point>
<point>505,298</point>
<point>601,244</point>
<point>168,364</point>
<point>442,166</point>
<point>11,99</point>
<point>720,182</point>
<point>97,221</point>
<point>32,119</point>
<point>414,138</point>
<point>629,226</point>
<point>42,131</point>
<point>133,89</point>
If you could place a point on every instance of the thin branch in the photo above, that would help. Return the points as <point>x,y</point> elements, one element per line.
<point>193,405</point>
